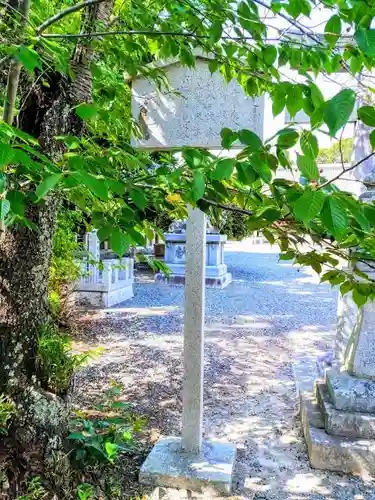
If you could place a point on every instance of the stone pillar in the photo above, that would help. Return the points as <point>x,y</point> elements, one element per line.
<point>188,462</point>
<point>194,330</point>
<point>93,245</point>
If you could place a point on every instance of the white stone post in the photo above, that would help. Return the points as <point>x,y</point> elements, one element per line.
<point>194,331</point>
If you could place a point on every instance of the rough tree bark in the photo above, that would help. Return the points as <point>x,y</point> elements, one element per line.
<point>40,425</point>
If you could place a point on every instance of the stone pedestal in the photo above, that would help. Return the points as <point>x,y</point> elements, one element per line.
<point>338,405</point>
<point>216,273</point>
<point>189,462</point>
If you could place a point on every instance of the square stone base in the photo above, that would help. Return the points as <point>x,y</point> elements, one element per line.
<point>211,281</point>
<point>326,451</point>
<point>351,393</point>
<point>100,298</point>
<point>168,465</point>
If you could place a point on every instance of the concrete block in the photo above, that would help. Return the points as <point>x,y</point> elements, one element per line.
<point>350,393</point>
<point>344,423</point>
<point>168,465</point>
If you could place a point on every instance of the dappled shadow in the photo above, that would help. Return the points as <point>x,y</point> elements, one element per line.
<point>253,329</point>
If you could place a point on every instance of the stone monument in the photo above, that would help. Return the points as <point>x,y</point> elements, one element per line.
<point>193,109</point>
<point>188,461</point>
<point>175,255</point>
<point>337,397</point>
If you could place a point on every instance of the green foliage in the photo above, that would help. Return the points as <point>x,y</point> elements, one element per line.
<point>55,361</point>
<point>85,491</point>
<point>333,153</point>
<point>64,268</point>
<point>105,437</point>
<point>34,490</point>
<point>121,191</point>
<point>338,110</point>
<point>234,225</point>
<point>7,411</point>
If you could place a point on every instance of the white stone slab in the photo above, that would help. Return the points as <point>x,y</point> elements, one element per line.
<point>195,111</point>
<point>168,465</point>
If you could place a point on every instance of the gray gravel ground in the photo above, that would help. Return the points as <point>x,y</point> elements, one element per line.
<point>254,328</point>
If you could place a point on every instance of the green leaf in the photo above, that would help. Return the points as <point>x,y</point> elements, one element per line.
<point>17,202</point>
<point>278,102</point>
<point>346,287</point>
<point>332,30</point>
<point>269,54</point>
<point>228,137</point>
<point>246,173</point>
<point>28,57</point>
<point>186,56</point>
<point>120,241</point>
<point>365,39</point>
<point>111,449</point>
<point>213,65</point>
<point>49,183</point>
<point>76,436</point>
<point>367,115</point>
<point>86,111</point>
<point>309,144</point>
<point>334,218</point>
<point>6,155</point>
<point>287,255</point>
<point>358,298</point>
<point>372,139</point>
<point>96,185</point>
<point>261,167</point>
<point>216,30</point>
<point>338,110</point>
<point>316,95</point>
<point>308,167</point>
<point>287,138</point>
<point>224,169</point>
<point>269,236</point>
<point>355,64</point>
<point>199,185</point>
<point>309,205</point>
<point>294,100</point>
<point>335,277</point>
<point>139,198</point>
<point>249,138</point>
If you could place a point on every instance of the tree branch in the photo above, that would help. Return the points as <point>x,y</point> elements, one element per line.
<point>14,72</point>
<point>346,170</point>
<point>66,12</point>
<point>228,208</point>
<point>146,33</point>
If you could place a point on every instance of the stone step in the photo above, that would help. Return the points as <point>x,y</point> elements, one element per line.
<point>328,452</point>
<point>350,393</point>
<point>343,423</point>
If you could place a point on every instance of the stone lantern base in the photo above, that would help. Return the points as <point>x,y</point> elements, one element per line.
<point>337,401</point>
<point>216,271</point>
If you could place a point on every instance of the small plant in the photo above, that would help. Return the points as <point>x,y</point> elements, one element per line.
<point>7,410</point>
<point>34,490</point>
<point>103,438</point>
<point>85,491</point>
<point>55,361</point>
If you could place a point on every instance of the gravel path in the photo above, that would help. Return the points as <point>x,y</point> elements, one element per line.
<point>269,314</point>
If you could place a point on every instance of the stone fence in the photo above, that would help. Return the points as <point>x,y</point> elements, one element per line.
<point>104,282</point>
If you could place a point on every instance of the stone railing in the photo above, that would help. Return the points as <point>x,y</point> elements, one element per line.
<point>107,284</point>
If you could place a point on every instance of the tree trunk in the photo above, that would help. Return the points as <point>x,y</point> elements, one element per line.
<point>40,423</point>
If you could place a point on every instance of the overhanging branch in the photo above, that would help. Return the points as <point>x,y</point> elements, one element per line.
<point>66,12</point>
